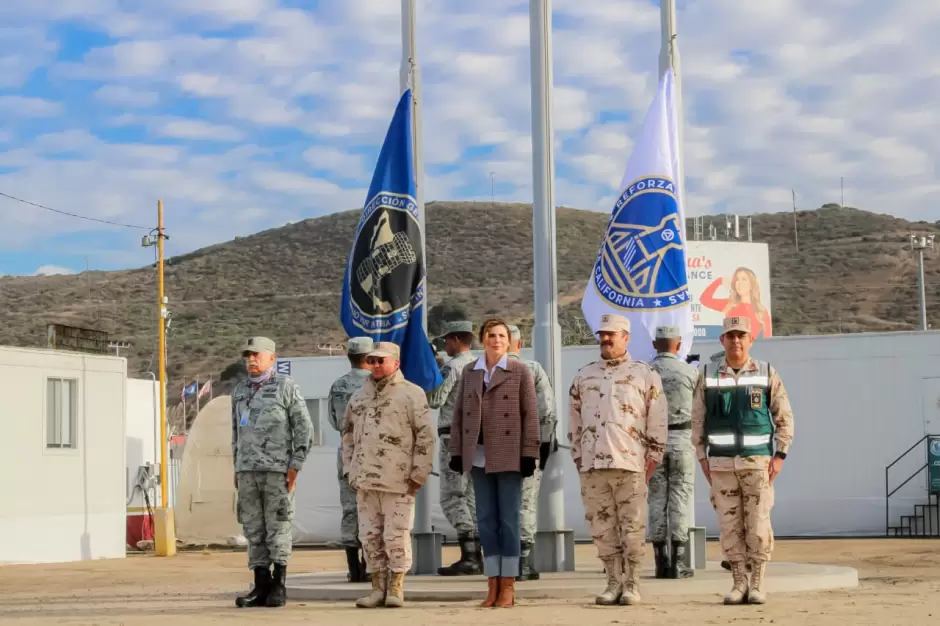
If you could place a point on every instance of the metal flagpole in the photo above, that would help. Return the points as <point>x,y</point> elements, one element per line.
<point>554,550</point>
<point>427,545</point>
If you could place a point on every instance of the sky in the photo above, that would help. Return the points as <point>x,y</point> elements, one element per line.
<point>243,115</point>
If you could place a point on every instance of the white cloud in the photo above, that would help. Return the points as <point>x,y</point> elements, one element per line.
<point>19,106</point>
<point>122,95</point>
<point>197,129</point>
<point>52,270</point>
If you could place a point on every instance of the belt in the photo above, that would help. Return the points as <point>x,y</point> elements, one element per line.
<point>443,430</point>
<point>682,426</point>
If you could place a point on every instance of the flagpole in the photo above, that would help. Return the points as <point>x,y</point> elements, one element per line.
<point>427,548</point>
<point>554,549</point>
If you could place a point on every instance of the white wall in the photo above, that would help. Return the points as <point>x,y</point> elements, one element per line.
<point>142,434</point>
<point>61,504</point>
<point>859,400</point>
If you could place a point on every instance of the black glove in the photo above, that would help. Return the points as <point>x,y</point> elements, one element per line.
<point>545,450</point>
<point>526,466</point>
<point>456,464</point>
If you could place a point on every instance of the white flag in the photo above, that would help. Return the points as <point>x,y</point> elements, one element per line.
<point>640,270</point>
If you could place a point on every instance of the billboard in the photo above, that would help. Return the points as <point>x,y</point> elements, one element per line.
<point>729,278</point>
<point>75,339</point>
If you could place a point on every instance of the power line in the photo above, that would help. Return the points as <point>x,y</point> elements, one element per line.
<point>81,217</point>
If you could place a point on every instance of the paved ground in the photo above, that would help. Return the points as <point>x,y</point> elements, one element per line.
<point>899,584</point>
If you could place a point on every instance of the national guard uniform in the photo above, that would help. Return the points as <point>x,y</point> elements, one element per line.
<point>532,484</point>
<point>388,452</point>
<point>343,389</point>
<point>271,434</point>
<point>618,425</point>
<point>737,418</point>
<point>672,486</point>
<point>457,496</point>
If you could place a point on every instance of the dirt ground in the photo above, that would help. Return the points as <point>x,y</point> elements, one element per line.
<point>899,583</point>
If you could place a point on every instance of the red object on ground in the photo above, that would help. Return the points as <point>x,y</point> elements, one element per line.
<point>138,527</point>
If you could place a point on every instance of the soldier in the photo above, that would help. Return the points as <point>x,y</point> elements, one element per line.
<point>343,389</point>
<point>388,448</point>
<point>531,485</point>
<point>618,416</point>
<point>673,484</point>
<point>271,436</point>
<point>740,410</point>
<point>457,497</point>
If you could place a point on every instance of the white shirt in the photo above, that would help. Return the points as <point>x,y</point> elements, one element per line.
<point>479,459</point>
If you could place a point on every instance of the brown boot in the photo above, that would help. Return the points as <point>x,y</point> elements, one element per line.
<point>377,597</point>
<point>631,585</point>
<point>613,566</point>
<point>492,591</point>
<point>756,593</point>
<point>738,592</point>
<point>507,592</point>
<point>395,596</point>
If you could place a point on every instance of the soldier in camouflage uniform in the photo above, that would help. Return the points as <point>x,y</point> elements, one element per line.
<point>388,452</point>
<point>672,485</point>
<point>532,484</point>
<point>271,436</point>
<point>343,389</point>
<point>618,418</point>
<point>457,497</point>
<point>742,429</point>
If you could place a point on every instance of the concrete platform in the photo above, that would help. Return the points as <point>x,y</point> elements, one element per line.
<point>584,583</point>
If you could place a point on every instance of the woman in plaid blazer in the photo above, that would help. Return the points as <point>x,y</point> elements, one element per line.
<point>495,437</point>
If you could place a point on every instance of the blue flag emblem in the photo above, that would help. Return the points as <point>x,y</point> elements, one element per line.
<point>384,291</point>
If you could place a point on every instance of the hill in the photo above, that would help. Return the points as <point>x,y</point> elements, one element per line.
<point>852,273</point>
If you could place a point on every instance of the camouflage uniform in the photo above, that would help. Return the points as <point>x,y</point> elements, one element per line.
<point>388,439</point>
<point>672,485</point>
<point>741,491</point>
<point>532,484</point>
<point>271,433</point>
<point>340,392</point>
<point>457,497</point>
<point>618,418</point>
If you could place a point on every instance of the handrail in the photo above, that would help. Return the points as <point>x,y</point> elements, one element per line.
<point>888,491</point>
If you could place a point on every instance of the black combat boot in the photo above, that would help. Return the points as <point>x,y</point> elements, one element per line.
<point>352,564</point>
<point>662,559</point>
<point>468,564</point>
<point>278,595</point>
<point>259,593</point>
<point>364,574</point>
<point>677,566</point>
<point>526,564</point>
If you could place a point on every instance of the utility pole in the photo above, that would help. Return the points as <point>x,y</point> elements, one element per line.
<point>918,245</point>
<point>493,186</point>
<point>796,234</point>
<point>842,191</point>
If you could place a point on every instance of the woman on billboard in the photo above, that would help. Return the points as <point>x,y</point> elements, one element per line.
<point>744,301</point>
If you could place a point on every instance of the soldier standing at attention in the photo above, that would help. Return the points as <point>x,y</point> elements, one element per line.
<point>532,484</point>
<point>618,417</point>
<point>343,389</point>
<point>271,436</point>
<point>673,484</point>
<point>388,452</point>
<point>457,497</point>
<point>740,410</point>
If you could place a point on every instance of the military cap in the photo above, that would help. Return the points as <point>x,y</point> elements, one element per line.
<point>359,345</point>
<point>668,332</point>
<point>258,344</point>
<point>385,349</point>
<point>459,326</point>
<point>514,332</point>
<point>738,323</point>
<point>612,322</point>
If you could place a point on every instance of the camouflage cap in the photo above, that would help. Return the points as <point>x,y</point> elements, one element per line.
<point>668,332</point>
<point>359,345</point>
<point>612,322</point>
<point>737,323</point>
<point>385,349</point>
<point>258,344</point>
<point>514,332</point>
<point>459,326</point>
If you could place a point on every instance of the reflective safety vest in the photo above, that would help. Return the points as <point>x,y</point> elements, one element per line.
<point>737,413</point>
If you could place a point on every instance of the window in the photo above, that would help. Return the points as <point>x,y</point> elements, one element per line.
<point>61,409</point>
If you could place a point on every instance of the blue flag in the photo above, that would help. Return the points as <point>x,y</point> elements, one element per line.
<point>385,289</point>
<point>640,270</point>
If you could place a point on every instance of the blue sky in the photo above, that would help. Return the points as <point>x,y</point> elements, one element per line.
<point>246,114</point>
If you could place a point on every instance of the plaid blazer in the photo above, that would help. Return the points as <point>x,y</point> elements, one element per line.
<point>508,413</point>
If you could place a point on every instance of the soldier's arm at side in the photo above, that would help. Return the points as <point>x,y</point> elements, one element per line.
<point>349,435</point>
<point>698,418</point>
<point>546,397</point>
<point>331,409</point>
<point>438,396</point>
<point>422,429</point>
<point>300,425</point>
<point>234,431</point>
<point>574,420</point>
<point>456,422</point>
<point>782,413</point>
<point>657,419</point>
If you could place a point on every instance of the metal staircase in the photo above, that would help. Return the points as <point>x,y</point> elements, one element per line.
<point>925,522</point>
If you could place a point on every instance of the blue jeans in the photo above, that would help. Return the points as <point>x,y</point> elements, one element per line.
<point>498,500</point>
